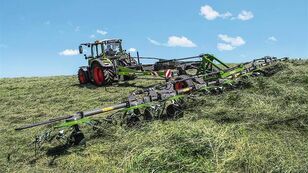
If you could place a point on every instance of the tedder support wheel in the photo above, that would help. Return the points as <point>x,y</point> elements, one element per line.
<point>83,76</point>
<point>174,111</point>
<point>182,83</point>
<point>102,76</point>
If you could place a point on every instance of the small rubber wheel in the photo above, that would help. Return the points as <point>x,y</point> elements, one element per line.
<point>131,118</point>
<point>182,82</point>
<point>180,85</point>
<point>148,114</point>
<point>174,111</point>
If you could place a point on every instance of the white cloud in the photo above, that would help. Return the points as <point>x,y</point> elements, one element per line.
<point>132,50</point>
<point>69,52</point>
<point>272,38</point>
<point>245,15</point>
<point>224,46</point>
<point>182,41</point>
<point>92,36</point>
<point>208,12</point>
<point>101,32</point>
<point>175,41</point>
<point>154,42</point>
<point>230,42</point>
<point>234,41</point>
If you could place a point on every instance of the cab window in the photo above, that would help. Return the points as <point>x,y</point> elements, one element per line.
<point>99,49</point>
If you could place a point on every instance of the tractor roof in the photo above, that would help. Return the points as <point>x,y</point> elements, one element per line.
<point>111,40</point>
<point>105,41</point>
<point>108,41</point>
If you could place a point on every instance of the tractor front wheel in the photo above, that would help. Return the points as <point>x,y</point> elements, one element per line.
<point>102,76</point>
<point>83,76</point>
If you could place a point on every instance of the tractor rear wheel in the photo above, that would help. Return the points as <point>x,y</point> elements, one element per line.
<point>102,76</point>
<point>83,76</point>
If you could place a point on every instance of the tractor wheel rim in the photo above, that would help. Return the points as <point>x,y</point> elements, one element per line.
<point>99,75</point>
<point>82,78</point>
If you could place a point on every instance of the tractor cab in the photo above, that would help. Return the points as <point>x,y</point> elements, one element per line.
<point>110,48</point>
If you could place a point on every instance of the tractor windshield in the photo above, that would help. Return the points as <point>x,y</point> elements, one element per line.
<point>112,49</point>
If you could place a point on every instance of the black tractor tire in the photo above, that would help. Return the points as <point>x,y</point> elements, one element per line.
<point>102,76</point>
<point>109,75</point>
<point>83,76</point>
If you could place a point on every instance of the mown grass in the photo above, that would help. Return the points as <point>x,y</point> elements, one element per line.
<point>263,128</point>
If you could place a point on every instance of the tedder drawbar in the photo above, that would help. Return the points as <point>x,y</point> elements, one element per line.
<point>161,101</point>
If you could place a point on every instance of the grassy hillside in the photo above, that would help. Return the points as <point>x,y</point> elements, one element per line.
<point>263,128</point>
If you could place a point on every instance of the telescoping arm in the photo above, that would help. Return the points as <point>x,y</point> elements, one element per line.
<point>76,116</point>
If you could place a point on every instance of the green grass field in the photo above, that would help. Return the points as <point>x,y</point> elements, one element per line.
<point>263,128</point>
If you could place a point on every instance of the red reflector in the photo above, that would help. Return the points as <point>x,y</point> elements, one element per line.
<point>168,73</point>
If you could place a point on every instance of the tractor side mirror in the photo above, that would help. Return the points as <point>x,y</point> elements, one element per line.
<point>80,49</point>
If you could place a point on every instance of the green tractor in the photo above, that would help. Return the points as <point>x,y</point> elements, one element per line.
<point>104,58</point>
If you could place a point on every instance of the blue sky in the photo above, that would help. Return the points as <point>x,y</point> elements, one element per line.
<point>40,38</point>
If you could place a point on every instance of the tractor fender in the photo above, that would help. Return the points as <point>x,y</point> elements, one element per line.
<point>85,68</point>
<point>103,63</point>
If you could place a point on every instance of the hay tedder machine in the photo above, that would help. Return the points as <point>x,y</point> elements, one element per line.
<point>204,76</point>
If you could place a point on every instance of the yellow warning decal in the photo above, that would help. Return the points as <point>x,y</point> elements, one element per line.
<point>186,89</point>
<point>107,109</point>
